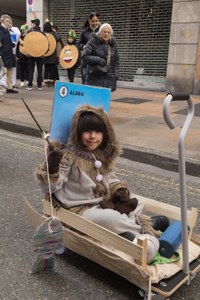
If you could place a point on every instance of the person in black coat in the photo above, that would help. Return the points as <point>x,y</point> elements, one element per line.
<point>51,61</point>
<point>102,51</point>
<point>35,23</point>
<point>91,25</point>
<point>6,51</point>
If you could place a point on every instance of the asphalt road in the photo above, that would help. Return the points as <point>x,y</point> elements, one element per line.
<point>74,277</point>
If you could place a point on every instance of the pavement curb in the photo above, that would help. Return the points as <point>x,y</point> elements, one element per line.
<point>160,160</point>
<point>138,154</point>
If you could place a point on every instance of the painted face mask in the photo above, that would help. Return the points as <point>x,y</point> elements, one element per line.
<point>68,56</point>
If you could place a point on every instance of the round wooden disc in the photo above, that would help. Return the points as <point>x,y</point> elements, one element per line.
<point>36,44</point>
<point>58,48</point>
<point>52,44</point>
<point>68,56</point>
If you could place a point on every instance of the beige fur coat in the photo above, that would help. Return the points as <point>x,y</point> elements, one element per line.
<point>75,185</point>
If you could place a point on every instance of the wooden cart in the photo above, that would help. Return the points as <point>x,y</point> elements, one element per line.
<point>122,256</point>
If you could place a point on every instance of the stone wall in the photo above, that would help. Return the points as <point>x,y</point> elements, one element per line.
<point>141,28</point>
<point>183,71</point>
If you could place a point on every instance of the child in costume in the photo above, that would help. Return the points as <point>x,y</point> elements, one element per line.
<point>83,179</point>
<point>71,40</point>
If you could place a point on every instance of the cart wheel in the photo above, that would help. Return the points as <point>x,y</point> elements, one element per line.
<point>144,295</point>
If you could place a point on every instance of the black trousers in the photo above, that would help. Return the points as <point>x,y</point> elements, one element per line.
<point>23,70</point>
<point>51,71</point>
<point>71,74</point>
<point>32,61</point>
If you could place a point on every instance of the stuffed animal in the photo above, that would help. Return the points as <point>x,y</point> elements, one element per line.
<point>121,202</point>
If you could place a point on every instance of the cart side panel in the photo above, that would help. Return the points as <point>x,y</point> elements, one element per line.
<point>106,256</point>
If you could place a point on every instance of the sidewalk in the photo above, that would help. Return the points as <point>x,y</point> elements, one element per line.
<point>136,116</point>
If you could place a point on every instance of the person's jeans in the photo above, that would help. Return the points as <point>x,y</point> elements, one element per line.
<point>31,65</point>
<point>9,72</point>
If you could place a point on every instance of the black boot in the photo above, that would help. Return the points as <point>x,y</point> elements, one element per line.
<point>128,235</point>
<point>11,91</point>
<point>160,222</point>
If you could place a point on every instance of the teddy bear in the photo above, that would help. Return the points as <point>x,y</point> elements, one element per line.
<point>120,201</point>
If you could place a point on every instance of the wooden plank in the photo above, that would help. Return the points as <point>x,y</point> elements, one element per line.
<point>160,208</point>
<point>97,232</point>
<point>112,260</point>
<point>195,238</point>
<point>171,211</point>
<point>35,218</point>
<point>192,218</point>
<point>142,241</point>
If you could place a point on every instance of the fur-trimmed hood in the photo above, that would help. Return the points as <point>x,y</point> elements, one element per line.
<point>112,149</point>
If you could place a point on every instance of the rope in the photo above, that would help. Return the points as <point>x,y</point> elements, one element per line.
<point>48,178</point>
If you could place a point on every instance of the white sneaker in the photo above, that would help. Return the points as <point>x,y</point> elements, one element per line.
<point>22,84</point>
<point>152,245</point>
<point>29,88</point>
<point>40,89</point>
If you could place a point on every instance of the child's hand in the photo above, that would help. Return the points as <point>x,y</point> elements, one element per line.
<point>54,159</point>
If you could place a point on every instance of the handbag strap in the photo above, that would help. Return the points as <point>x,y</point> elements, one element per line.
<point>109,56</point>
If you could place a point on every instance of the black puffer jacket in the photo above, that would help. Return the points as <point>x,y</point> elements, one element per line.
<point>6,50</point>
<point>85,36</point>
<point>94,52</point>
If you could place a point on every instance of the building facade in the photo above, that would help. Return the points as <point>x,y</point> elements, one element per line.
<point>158,40</point>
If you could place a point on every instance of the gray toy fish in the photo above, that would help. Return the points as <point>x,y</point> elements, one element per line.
<point>46,240</point>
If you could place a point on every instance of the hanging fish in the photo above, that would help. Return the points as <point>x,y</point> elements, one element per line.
<point>46,240</point>
<point>49,235</point>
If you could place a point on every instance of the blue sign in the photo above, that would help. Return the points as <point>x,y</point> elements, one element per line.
<point>67,98</point>
<point>13,37</point>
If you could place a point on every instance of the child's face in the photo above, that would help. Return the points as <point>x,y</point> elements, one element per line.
<point>92,139</point>
<point>70,39</point>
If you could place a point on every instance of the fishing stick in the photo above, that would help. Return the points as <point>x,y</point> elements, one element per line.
<point>43,133</point>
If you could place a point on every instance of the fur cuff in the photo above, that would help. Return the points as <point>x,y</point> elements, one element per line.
<point>42,175</point>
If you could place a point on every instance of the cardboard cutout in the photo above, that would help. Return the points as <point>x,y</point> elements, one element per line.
<point>52,44</point>
<point>68,56</point>
<point>21,47</point>
<point>59,48</point>
<point>36,44</point>
<point>67,98</point>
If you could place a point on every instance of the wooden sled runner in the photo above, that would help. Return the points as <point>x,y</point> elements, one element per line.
<point>120,255</point>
